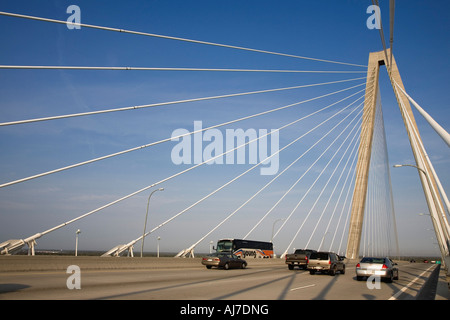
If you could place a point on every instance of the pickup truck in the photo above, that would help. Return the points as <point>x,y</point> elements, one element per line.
<point>328,262</point>
<point>299,258</point>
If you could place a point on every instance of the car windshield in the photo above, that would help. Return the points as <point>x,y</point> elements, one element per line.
<point>319,256</point>
<point>372,260</point>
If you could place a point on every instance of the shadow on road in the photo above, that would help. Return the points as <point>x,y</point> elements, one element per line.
<point>185,284</point>
<point>11,287</point>
<point>323,293</point>
<point>282,295</point>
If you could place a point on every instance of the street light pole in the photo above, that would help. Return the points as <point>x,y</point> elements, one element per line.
<point>146,215</point>
<point>273,227</point>
<point>76,242</point>
<point>157,248</point>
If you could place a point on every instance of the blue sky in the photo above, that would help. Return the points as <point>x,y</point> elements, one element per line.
<point>326,30</point>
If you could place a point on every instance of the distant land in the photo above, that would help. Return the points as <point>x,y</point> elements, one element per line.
<point>419,258</point>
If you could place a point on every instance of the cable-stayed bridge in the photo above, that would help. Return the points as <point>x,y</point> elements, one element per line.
<point>317,171</point>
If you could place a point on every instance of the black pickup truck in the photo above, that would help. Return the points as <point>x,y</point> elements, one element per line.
<point>299,258</point>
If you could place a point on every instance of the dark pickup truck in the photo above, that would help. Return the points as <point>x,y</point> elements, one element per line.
<point>299,258</point>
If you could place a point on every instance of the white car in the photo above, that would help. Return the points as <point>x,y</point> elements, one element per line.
<point>385,268</point>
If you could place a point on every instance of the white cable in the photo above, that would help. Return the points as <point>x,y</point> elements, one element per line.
<point>174,38</point>
<point>299,179</point>
<point>366,96</point>
<point>417,144</point>
<point>164,140</point>
<point>436,126</point>
<point>348,211</point>
<point>329,179</point>
<point>364,131</point>
<point>309,213</point>
<point>310,188</point>
<point>21,67</point>
<point>270,182</point>
<point>336,185</point>
<point>355,156</point>
<point>168,103</point>
<point>38,235</point>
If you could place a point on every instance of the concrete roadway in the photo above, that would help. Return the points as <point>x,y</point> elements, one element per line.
<point>186,279</point>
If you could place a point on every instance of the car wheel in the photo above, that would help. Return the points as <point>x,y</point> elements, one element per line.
<point>244,265</point>
<point>291,267</point>
<point>333,271</point>
<point>208,267</point>
<point>396,276</point>
<point>359,278</point>
<point>390,278</point>
<point>343,270</point>
<point>226,266</point>
<point>312,271</point>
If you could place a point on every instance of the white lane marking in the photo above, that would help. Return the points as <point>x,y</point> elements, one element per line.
<point>395,296</point>
<point>311,285</point>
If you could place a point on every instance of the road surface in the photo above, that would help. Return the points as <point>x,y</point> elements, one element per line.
<point>22,278</point>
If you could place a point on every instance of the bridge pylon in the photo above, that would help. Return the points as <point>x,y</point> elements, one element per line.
<point>434,201</point>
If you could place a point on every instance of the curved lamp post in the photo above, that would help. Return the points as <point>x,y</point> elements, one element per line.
<point>145,223</point>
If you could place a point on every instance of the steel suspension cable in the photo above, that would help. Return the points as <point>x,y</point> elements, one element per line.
<point>318,177</point>
<point>345,168</point>
<point>38,235</point>
<point>167,139</point>
<point>350,172</point>
<point>368,94</point>
<point>309,189</point>
<point>270,182</point>
<point>160,104</point>
<point>347,197</point>
<point>300,178</point>
<point>23,67</point>
<point>281,227</point>
<point>174,38</point>
<point>328,181</point>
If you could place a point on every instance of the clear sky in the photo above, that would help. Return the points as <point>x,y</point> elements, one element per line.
<point>330,30</point>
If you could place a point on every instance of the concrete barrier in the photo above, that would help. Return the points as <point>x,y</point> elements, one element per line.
<point>60,263</point>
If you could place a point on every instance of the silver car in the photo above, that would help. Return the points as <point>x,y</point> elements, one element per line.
<point>384,267</point>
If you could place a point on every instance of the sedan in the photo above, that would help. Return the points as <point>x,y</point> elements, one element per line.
<point>385,268</point>
<point>223,260</point>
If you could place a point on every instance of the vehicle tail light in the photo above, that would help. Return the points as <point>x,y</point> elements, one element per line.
<point>216,259</point>
<point>358,265</point>
<point>306,259</point>
<point>329,261</point>
<point>384,266</point>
